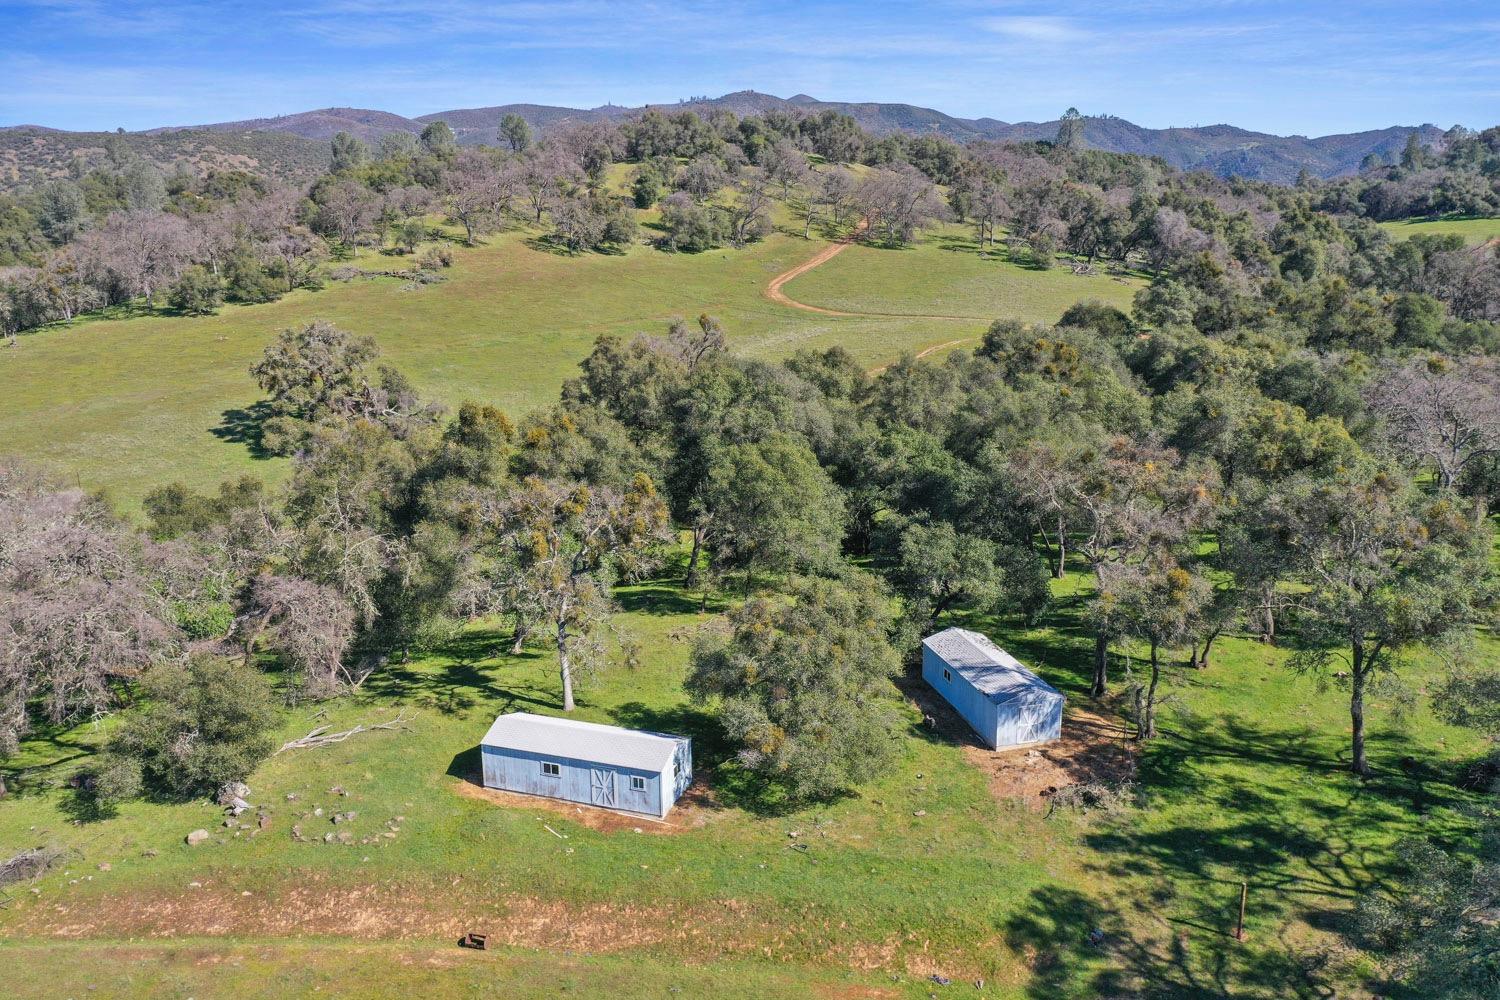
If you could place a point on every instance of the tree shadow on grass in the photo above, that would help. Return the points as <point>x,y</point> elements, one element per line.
<point>245,425</point>
<point>1081,946</point>
<point>955,244</point>
<point>661,597</point>
<point>456,678</point>
<point>1271,806</point>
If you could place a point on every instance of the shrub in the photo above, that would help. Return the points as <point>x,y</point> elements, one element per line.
<point>646,189</point>
<point>689,225</point>
<point>249,281</point>
<point>1043,251</point>
<point>204,724</point>
<point>201,620</point>
<point>435,258</point>
<point>197,292</point>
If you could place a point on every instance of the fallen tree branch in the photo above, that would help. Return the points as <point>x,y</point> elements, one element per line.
<point>33,863</point>
<point>321,737</point>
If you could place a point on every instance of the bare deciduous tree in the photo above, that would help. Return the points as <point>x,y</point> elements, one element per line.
<point>1441,412</point>
<point>78,611</point>
<point>898,202</point>
<point>311,626</point>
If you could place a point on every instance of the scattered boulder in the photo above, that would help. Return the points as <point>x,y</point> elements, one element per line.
<point>197,837</point>
<point>344,817</point>
<point>233,791</point>
<point>104,866</point>
<point>264,821</point>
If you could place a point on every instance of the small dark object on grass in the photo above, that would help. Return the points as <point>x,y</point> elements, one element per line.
<point>1096,937</point>
<point>480,942</point>
<point>940,980</point>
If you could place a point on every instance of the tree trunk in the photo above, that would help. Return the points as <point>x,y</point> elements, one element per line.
<point>1357,678</point>
<point>1047,548</point>
<point>565,667</point>
<point>518,640</point>
<point>1200,656</point>
<point>1062,550</point>
<point>1268,616</point>
<point>1146,723</point>
<point>691,580</point>
<point>1101,665</point>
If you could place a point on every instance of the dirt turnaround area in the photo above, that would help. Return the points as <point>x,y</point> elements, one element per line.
<point>1092,750</point>
<point>693,811</point>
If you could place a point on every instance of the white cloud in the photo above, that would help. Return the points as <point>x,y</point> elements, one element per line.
<point>1028,28</point>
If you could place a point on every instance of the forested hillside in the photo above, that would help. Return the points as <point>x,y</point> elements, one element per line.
<point>1220,149</point>
<point>1218,457</point>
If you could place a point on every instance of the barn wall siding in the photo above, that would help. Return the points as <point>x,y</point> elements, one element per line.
<point>521,771</point>
<point>976,708</point>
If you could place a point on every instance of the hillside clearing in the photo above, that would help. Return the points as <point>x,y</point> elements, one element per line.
<point>126,404</point>
<point>1245,783</point>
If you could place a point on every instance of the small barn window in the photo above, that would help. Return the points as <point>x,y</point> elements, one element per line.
<point>946,675</point>
<point>637,783</point>
<point>550,769</point>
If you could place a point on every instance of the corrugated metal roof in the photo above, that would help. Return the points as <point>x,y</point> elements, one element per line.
<point>588,741</point>
<point>985,665</point>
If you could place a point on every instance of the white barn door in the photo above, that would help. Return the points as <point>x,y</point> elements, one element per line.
<point>602,786</point>
<point>1031,722</point>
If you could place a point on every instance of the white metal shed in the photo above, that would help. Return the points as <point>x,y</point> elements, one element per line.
<point>1006,704</point>
<point>625,769</point>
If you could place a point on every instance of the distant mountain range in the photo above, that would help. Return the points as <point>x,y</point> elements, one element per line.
<point>1222,149</point>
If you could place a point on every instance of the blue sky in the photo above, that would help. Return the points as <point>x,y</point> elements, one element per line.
<point>1310,67</point>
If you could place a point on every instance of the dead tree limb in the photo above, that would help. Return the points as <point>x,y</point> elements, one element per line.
<point>321,737</point>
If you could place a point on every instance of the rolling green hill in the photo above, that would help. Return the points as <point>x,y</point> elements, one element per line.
<point>126,403</point>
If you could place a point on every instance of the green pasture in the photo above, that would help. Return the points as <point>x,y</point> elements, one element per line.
<point>129,402</point>
<point>1474,230</point>
<point>921,872</point>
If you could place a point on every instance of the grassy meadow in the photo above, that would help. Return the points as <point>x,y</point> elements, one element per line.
<point>1474,230</point>
<point>129,402</point>
<point>925,871</point>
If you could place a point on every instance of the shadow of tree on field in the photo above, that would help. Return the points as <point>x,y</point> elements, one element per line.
<point>245,425</point>
<point>455,677</point>
<point>1273,806</point>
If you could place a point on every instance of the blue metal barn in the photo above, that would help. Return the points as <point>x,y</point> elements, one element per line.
<point>1006,704</point>
<point>584,762</point>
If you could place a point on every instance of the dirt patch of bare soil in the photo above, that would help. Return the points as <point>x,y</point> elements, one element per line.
<point>312,904</point>
<point>693,810</point>
<point>1092,750</point>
